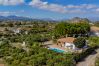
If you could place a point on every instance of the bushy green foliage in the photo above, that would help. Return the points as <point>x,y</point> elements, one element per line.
<point>36,56</point>
<point>80,42</point>
<point>64,28</point>
<point>97,61</point>
<point>80,56</point>
<point>30,38</point>
<point>93,41</point>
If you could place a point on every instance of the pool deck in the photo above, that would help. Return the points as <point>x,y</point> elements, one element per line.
<point>56,46</point>
<point>2,65</point>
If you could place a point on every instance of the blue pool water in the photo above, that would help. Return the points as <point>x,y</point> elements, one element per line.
<point>57,50</point>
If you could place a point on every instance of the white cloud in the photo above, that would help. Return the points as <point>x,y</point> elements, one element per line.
<point>85,6</point>
<point>7,13</point>
<point>46,6</point>
<point>11,2</point>
<point>54,7</point>
<point>97,10</point>
<point>62,9</point>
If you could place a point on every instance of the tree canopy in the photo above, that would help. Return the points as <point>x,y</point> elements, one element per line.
<point>36,56</point>
<point>80,42</point>
<point>93,41</point>
<point>64,28</point>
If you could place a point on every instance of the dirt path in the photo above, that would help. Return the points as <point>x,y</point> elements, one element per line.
<point>90,60</point>
<point>1,62</point>
<point>2,65</point>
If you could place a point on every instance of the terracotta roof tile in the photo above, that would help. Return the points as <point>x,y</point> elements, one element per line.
<point>2,65</point>
<point>68,40</point>
<point>95,29</point>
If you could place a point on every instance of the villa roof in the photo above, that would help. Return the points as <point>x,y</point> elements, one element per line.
<point>95,29</point>
<point>68,40</point>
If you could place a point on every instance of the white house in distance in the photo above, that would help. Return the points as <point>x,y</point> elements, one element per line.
<point>94,31</point>
<point>67,43</point>
<point>15,30</point>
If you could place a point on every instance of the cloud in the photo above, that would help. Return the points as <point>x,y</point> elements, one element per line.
<point>70,8</point>
<point>97,10</point>
<point>7,13</point>
<point>83,8</point>
<point>11,2</point>
<point>4,13</point>
<point>46,6</point>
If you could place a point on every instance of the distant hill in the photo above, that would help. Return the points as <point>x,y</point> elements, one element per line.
<point>78,19</point>
<point>75,19</point>
<point>12,17</point>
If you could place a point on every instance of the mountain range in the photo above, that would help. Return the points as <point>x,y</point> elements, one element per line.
<point>13,17</point>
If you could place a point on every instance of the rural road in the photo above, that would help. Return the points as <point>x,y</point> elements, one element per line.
<point>90,60</point>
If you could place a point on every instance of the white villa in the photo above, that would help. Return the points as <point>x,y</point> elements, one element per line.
<point>66,43</point>
<point>94,31</point>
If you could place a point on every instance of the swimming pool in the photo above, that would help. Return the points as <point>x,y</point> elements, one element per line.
<point>57,50</point>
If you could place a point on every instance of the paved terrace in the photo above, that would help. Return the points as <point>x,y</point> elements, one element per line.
<point>2,65</point>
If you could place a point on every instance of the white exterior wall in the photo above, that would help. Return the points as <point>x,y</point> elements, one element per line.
<point>70,46</point>
<point>16,31</point>
<point>97,34</point>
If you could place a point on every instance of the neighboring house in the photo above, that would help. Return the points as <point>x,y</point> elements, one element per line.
<point>27,30</point>
<point>94,31</point>
<point>16,31</point>
<point>24,44</point>
<point>21,30</point>
<point>66,43</point>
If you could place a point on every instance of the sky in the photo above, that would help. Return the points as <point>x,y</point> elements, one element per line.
<point>54,9</point>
